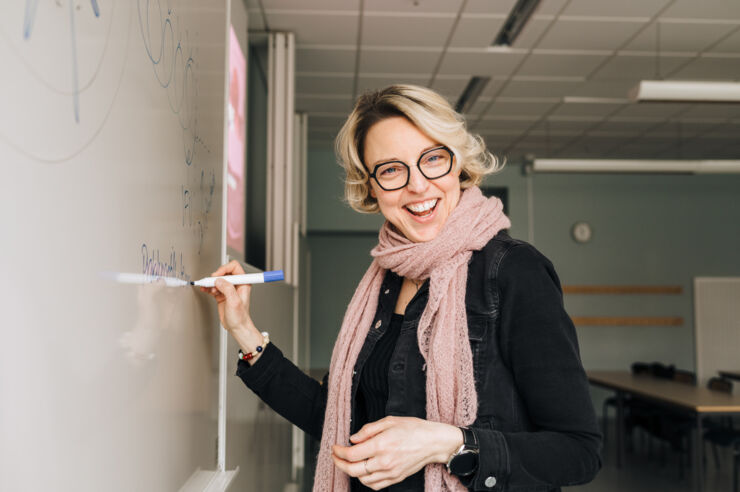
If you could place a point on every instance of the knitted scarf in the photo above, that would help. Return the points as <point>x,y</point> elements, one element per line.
<point>442,331</point>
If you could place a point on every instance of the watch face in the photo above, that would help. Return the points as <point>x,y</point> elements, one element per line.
<point>464,463</point>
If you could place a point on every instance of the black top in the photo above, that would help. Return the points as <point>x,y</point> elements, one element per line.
<point>535,424</point>
<point>372,393</point>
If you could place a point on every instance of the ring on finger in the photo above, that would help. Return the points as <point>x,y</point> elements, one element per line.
<point>367,472</point>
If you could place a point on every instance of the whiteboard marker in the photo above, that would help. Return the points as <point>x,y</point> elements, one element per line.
<point>247,278</point>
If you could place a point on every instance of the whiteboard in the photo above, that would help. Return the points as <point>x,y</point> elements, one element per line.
<point>111,152</point>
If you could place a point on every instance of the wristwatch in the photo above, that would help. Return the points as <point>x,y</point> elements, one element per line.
<point>464,461</point>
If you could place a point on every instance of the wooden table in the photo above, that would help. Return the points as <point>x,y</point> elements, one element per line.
<point>696,401</point>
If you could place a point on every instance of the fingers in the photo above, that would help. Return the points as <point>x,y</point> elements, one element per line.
<point>373,428</point>
<point>366,471</point>
<point>355,453</point>
<point>228,291</point>
<point>214,292</point>
<point>231,268</point>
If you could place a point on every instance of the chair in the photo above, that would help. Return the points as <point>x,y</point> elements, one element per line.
<point>636,368</point>
<point>660,422</point>
<point>723,434</point>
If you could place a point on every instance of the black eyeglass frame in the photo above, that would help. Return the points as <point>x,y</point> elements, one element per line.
<point>408,168</point>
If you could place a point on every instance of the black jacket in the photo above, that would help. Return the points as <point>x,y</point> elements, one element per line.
<point>536,424</point>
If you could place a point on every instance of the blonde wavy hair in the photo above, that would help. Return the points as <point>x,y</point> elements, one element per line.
<point>429,112</point>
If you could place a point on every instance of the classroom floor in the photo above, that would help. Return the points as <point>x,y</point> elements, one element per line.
<point>655,470</point>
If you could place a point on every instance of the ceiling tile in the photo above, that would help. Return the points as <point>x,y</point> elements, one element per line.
<point>638,67</point>
<point>406,31</point>
<point>375,83</point>
<point>558,123</point>
<point>323,104</point>
<point>526,88</point>
<point>519,108</point>
<point>632,128</point>
<point>588,35</point>
<point>486,127</point>
<point>631,8</point>
<point>581,109</point>
<point>712,111</point>
<point>674,36</point>
<point>476,32</point>
<point>562,65</point>
<point>550,7</point>
<point>301,4</point>
<point>317,29</point>
<point>406,62</point>
<point>710,68</point>
<point>481,63</point>
<point>616,88</point>
<point>413,6</point>
<point>705,9</point>
<point>326,122</point>
<point>323,85</point>
<point>729,45</point>
<point>324,60</point>
<point>655,110</point>
<point>531,32</point>
<point>450,87</point>
<point>502,7</point>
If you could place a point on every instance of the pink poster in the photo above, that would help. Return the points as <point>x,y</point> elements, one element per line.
<point>235,206</point>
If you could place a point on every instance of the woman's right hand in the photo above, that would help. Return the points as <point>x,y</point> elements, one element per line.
<point>233,301</point>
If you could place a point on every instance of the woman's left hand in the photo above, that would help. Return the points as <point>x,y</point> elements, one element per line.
<point>389,450</point>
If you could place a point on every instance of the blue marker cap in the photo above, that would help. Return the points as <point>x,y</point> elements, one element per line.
<point>274,276</point>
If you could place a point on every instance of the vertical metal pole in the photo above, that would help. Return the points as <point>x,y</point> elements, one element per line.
<point>698,448</point>
<point>620,429</point>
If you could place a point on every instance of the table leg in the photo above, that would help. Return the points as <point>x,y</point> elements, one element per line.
<point>620,429</point>
<point>698,455</point>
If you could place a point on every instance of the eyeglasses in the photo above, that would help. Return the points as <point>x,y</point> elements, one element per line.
<point>432,164</point>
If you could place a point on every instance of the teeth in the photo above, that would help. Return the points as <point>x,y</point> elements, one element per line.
<point>422,207</point>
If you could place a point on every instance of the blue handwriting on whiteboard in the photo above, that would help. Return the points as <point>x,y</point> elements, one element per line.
<point>30,17</point>
<point>155,267</point>
<point>173,68</point>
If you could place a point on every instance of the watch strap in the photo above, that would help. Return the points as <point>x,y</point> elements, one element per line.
<point>470,439</point>
<point>469,447</point>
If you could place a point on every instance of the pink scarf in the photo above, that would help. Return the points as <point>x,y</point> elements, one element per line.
<point>442,330</point>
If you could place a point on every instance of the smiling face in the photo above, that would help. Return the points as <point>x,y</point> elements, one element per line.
<point>420,209</point>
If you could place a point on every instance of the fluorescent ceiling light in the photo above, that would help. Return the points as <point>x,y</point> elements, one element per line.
<point>685,91</point>
<point>635,166</point>
<point>518,18</point>
<point>471,93</point>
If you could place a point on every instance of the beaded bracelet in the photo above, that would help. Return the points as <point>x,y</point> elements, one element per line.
<point>260,348</point>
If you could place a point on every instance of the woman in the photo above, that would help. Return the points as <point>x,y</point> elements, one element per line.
<point>456,365</point>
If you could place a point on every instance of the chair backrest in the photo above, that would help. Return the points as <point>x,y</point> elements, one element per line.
<point>682,376</point>
<point>660,370</point>
<point>640,368</point>
<point>720,384</point>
